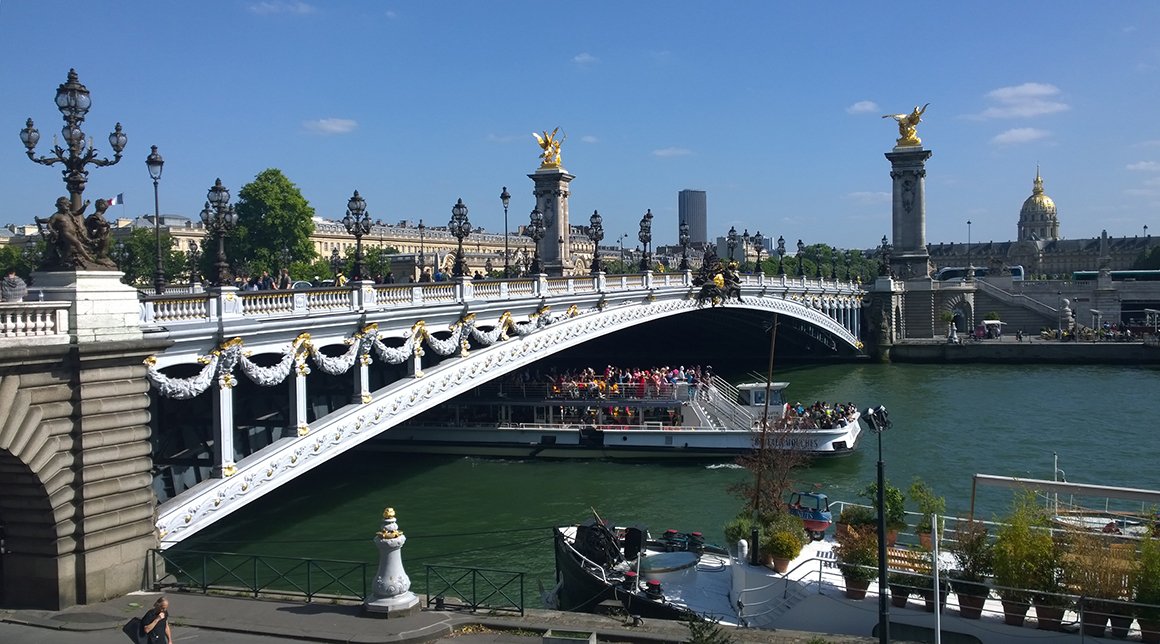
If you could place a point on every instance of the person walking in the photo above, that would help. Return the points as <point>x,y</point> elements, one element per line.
<point>156,623</point>
<point>12,287</point>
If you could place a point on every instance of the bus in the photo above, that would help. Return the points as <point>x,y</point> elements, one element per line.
<point>950,273</point>
<point>1118,276</point>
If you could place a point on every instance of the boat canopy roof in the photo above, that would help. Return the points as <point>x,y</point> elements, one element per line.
<point>746,386</point>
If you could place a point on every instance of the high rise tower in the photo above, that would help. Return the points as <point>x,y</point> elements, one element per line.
<point>691,209</point>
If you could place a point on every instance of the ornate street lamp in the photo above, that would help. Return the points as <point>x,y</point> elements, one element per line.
<point>194,256</point>
<point>219,219</point>
<point>780,255</point>
<point>596,233</point>
<point>535,230</point>
<point>879,421</point>
<point>460,227</point>
<point>358,223</point>
<point>645,237</point>
<point>73,101</point>
<point>759,245</point>
<point>506,199</point>
<point>731,241</point>
<point>969,243</point>
<point>801,254</point>
<point>335,262</point>
<point>683,238</point>
<point>744,250</point>
<point>155,163</point>
<point>120,254</point>
<point>422,259</point>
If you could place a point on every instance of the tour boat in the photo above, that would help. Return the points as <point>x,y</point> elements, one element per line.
<point>635,422</point>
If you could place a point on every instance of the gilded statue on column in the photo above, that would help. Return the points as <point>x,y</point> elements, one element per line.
<point>551,148</point>
<point>908,127</point>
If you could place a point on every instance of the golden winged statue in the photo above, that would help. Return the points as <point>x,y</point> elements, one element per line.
<point>908,126</point>
<point>551,148</point>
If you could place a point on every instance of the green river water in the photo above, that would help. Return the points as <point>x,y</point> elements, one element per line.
<point>950,422</point>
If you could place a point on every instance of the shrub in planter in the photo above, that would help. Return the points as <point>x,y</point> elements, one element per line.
<point>894,501</point>
<point>929,504</point>
<point>974,561</point>
<point>1022,543</point>
<point>1103,570</point>
<point>1146,587</point>
<point>902,586</point>
<point>738,528</point>
<point>853,517</point>
<point>857,557</point>
<point>781,547</point>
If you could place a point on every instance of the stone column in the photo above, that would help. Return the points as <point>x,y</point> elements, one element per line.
<point>909,259</point>
<point>223,426</point>
<point>391,594</point>
<point>551,192</point>
<point>298,422</point>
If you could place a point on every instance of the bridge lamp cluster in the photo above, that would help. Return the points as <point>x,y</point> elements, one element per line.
<point>535,230</point>
<point>219,219</point>
<point>460,227</point>
<point>596,234</point>
<point>645,237</point>
<point>358,223</point>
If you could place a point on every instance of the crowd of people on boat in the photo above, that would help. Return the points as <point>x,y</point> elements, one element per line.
<point>820,415</point>
<point>623,382</point>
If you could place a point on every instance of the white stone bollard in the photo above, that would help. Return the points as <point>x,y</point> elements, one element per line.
<point>391,594</point>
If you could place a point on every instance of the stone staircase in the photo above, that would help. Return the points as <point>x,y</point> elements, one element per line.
<point>1018,311</point>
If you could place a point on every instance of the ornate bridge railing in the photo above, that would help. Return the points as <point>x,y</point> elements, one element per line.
<point>34,323</point>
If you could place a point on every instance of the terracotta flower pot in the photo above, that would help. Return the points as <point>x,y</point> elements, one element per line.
<point>856,588</point>
<point>924,540</point>
<point>899,595</point>
<point>779,564</point>
<point>971,606</point>
<point>891,537</point>
<point>928,600</point>
<point>1048,618</point>
<point>1014,613</point>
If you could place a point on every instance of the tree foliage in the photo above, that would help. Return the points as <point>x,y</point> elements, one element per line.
<point>272,215</point>
<point>140,258</point>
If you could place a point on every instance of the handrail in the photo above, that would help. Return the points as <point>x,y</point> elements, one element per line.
<point>475,599</point>
<point>1016,299</point>
<point>266,574</point>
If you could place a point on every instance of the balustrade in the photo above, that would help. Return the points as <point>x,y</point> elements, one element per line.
<point>184,309</point>
<point>35,320</point>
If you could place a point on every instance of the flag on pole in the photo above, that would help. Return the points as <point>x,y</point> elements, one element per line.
<point>118,200</point>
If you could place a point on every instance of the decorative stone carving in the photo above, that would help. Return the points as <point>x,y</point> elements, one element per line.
<point>391,594</point>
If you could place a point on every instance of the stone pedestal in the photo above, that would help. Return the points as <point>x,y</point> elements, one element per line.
<point>391,594</point>
<point>551,192</point>
<point>909,258</point>
<point>102,308</point>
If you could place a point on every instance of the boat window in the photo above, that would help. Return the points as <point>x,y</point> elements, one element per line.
<point>759,399</point>
<point>743,398</point>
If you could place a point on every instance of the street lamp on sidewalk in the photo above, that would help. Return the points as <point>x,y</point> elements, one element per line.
<point>506,199</point>
<point>155,163</point>
<point>879,421</point>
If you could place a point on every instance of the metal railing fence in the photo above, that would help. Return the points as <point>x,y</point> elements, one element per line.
<point>474,588</point>
<point>258,574</point>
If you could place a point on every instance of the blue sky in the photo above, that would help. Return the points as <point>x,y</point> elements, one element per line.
<point>773,108</point>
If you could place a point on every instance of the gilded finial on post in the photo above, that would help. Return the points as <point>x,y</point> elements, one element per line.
<point>908,127</point>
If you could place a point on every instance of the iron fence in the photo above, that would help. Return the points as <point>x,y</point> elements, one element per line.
<point>257,574</point>
<point>474,588</point>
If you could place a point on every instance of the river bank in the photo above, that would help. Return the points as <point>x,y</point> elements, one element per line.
<point>1009,350</point>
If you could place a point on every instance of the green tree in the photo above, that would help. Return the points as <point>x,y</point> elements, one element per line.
<point>141,258</point>
<point>272,215</point>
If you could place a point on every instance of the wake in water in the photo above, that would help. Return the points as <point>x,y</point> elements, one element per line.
<point>724,466</point>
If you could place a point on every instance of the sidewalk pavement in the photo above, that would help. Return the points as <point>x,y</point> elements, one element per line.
<point>344,623</point>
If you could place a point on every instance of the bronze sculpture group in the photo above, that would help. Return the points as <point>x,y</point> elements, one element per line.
<point>76,242</point>
<point>718,281</point>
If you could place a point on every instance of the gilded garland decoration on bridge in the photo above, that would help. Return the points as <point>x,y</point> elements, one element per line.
<point>220,363</point>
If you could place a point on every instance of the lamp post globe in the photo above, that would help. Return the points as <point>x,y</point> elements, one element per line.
<point>780,255</point>
<point>358,223</point>
<point>683,238</point>
<point>506,199</point>
<point>731,241</point>
<point>460,227</point>
<point>155,163</point>
<point>801,254</point>
<point>535,231</point>
<point>596,234</point>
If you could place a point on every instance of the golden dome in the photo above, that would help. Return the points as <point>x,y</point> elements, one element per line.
<point>1038,206</point>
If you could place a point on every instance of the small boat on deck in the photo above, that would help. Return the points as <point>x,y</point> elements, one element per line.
<point>586,420</point>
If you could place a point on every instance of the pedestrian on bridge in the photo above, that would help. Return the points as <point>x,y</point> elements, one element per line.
<point>156,623</point>
<point>12,288</point>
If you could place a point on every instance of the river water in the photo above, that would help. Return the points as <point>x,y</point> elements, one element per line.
<point>950,422</point>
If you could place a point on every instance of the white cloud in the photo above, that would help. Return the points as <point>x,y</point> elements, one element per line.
<point>281,6</point>
<point>863,107</point>
<point>672,151</point>
<point>1020,135</point>
<point>588,138</point>
<point>1023,101</point>
<point>1144,166</point>
<point>391,15</point>
<point>331,126</point>
<point>584,58</point>
<point>505,138</point>
<point>867,197</point>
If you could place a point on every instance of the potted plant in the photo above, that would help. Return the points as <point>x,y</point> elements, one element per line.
<point>857,557</point>
<point>902,586</point>
<point>895,508</point>
<point>1019,544</point>
<point>974,561</point>
<point>1103,570</point>
<point>929,505</point>
<point>1146,588</point>
<point>1050,598</point>
<point>856,517</point>
<point>784,537</point>
<point>738,528</point>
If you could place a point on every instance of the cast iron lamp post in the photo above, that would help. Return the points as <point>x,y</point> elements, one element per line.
<point>73,101</point>
<point>358,223</point>
<point>744,250</point>
<point>885,268</point>
<point>879,421</point>
<point>194,263</point>
<point>120,255</point>
<point>645,237</point>
<point>335,263</point>
<point>780,255</point>
<point>460,227</point>
<point>683,237</point>
<point>155,163</point>
<point>535,230</point>
<point>759,245</point>
<point>422,259</point>
<point>219,219</point>
<point>506,199</point>
<point>731,241</point>
<point>596,234</point>
<point>968,243</point>
<point>801,254</point>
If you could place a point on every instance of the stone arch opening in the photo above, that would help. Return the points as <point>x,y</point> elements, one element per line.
<point>28,535</point>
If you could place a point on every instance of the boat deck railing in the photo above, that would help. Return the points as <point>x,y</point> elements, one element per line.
<point>583,393</point>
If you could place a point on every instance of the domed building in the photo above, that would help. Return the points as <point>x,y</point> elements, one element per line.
<point>1037,218</point>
